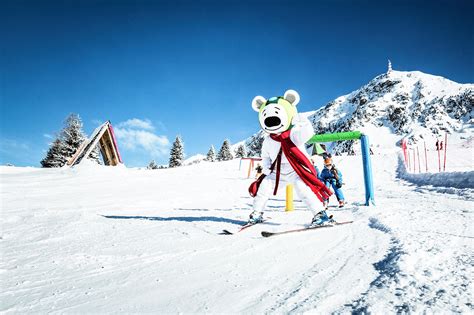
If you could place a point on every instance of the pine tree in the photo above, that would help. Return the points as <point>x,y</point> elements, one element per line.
<point>240,152</point>
<point>55,157</point>
<point>67,143</point>
<point>254,145</point>
<point>211,155</point>
<point>177,153</point>
<point>72,135</point>
<point>224,153</point>
<point>152,165</point>
<point>95,155</point>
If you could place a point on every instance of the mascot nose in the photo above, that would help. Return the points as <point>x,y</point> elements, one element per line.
<point>272,121</point>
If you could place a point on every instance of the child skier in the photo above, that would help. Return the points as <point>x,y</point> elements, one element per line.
<point>331,176</point>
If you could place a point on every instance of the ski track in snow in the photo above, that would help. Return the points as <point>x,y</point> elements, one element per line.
<point>150,243</point>
<point>428,267</point>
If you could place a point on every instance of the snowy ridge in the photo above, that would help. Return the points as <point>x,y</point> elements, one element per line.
<point>399,104</point>
<point>411,104</point>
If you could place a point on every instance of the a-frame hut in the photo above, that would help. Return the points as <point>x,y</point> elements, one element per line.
<point>104,137</point>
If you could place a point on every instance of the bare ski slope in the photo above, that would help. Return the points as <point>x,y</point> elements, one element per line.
<point>99,239</point>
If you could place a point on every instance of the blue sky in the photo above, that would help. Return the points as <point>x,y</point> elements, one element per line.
<point>157,69</point>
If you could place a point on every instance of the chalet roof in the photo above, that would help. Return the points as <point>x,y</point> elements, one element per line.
<point>104,137</point>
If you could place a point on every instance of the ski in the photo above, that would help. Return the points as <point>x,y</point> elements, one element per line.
<point>241,228</point>
<point>268,234</point>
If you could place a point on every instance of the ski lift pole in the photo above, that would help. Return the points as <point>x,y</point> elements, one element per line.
<point>404,150</point>
<point>445,149</point>
<point>439,160</point>
<point>426,157</point>
<point>419,163</point>
<point>408,159</point>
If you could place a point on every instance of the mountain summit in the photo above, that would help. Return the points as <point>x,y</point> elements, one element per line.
<point>408,104</point>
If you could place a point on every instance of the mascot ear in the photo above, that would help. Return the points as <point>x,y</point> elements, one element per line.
<point>292,96</point>
<point>257,102</point>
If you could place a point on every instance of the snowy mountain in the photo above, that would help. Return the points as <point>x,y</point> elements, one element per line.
<point>412,104</point>
<point>406,104</point>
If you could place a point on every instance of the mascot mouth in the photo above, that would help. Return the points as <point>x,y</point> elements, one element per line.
<point>272,121</point>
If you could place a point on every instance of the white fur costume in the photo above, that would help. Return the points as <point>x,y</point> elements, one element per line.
<point>301,132</point>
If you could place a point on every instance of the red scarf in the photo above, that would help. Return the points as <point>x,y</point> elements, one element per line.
<point>300,163</point>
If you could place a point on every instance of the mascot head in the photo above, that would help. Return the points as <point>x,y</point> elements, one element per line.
<point>276,113</point>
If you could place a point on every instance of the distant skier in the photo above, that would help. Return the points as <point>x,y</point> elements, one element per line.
<point>332,177</point>
<point>259,170</point>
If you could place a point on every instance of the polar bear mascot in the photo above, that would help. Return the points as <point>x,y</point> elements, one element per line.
<point>284,157</point>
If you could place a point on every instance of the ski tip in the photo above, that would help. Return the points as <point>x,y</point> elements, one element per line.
<point>226,232</point>
<point>344,222</point>
<point>266,234</point>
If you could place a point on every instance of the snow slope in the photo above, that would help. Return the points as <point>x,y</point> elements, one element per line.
<point>112,239</point>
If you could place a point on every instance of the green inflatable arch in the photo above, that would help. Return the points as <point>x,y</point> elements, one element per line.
<point>366,161</point>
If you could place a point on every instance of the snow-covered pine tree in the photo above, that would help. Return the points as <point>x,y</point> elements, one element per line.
<point>211,155</point>
<point>152,165</point>
<point>72,135</point>
<point>55,157</point>
<point>95,155</point>
<point>224,153</point>
<point>177,153</point>
<point>67,143</point>
<point>254,145</point>
<point>240,152</point>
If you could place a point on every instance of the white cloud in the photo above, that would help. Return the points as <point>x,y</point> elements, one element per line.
<point>136,123</point>
<point>48,136</point>
<point>135,134</point>
<point>8,145</point>
<point>97,122</point>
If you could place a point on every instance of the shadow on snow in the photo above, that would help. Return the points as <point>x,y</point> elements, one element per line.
<point>182,219</point>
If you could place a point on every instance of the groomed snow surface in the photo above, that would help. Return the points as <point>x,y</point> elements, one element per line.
<point>112,239</point>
